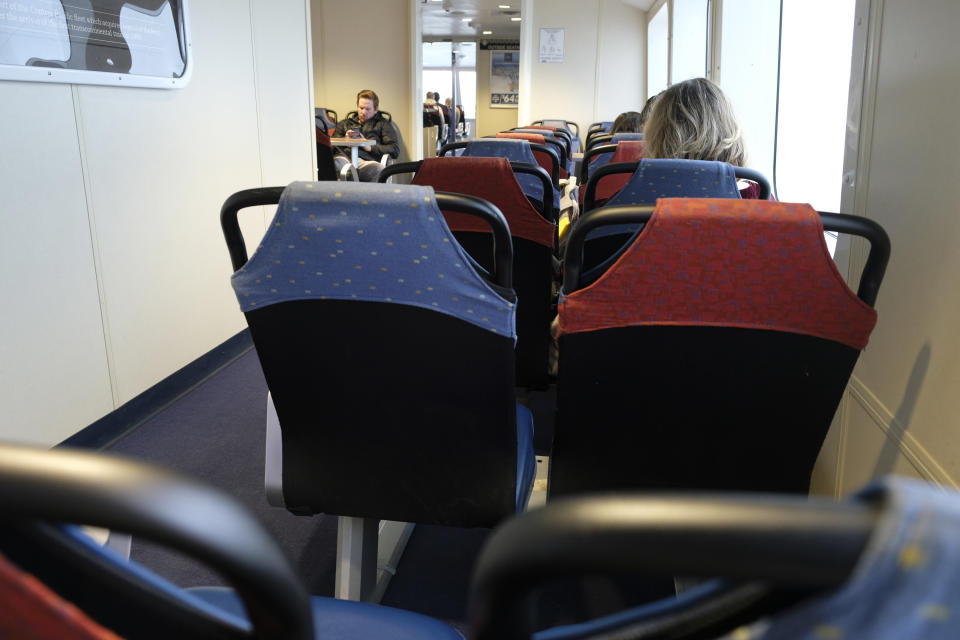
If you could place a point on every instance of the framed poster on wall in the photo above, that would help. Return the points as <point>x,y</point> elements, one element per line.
<point>551,45</point>
<point>504,78</point>
<point>139,43</point>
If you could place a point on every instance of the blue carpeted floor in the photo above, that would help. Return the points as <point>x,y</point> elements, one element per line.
<point>216,433</point>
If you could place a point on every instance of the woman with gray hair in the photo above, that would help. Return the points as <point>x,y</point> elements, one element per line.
<point>694,120</point>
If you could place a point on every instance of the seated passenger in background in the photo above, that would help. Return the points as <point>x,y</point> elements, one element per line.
<point>694,120</point>
<point>366,122</point>
<point>647,109</point>
<point>449,104</point>
<point>627,122</point>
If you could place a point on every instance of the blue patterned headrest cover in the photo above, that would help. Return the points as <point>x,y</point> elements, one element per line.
<point>625,135</point>
<point>671,178</point>
<point>371,242</point>
<point>513,150</point>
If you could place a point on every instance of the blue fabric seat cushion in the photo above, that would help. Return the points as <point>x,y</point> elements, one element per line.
<point>347,620</point>
<point>526,459</point>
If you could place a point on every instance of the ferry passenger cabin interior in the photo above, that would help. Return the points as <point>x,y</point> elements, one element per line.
<point>541,379</point>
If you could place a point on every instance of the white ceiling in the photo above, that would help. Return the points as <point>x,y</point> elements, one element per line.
<point>445,18</point>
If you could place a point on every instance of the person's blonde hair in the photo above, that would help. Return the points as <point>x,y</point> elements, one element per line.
<point>694,120</point>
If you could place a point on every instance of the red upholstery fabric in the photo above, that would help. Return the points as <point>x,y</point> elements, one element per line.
<point>752,191</point>
<point>29,609</point>
<point>534,138</point>
<point>755,264</point>
<point>323,138</point>
<point>627,151</point>
<point>543,159</point>
<point>491,179</point>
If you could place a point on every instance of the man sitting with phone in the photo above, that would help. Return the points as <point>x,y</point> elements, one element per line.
<point>369,123</point>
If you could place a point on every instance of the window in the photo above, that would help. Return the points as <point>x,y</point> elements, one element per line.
<point>690,28</point>
<point>786,75</point>
<point>658,51</point>
<point>438,73</point>
<point>814,84</point>
<point>748,73</point>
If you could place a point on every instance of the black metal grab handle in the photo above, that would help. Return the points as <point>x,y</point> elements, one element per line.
<point>589,195</point>
<point>873,271</point>
<point>870,279</point>
<point>397,168</point>
<point>97,489</point>
<point>554,162</point>
<point>548,209</point>
<point>452,146</point>
<point>778,540</point>
<point>491,214</point>
<point>590,154</point>
<point>230,224</point>
<point>598,137</point>
<point>743,173</point>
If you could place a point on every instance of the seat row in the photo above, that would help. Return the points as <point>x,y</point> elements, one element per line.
<point>765,557</point>
<point>712,354</point>
<point>410,293</point>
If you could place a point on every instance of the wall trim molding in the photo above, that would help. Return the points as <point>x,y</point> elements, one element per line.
<point>925,464</point>
<point>132,414</point>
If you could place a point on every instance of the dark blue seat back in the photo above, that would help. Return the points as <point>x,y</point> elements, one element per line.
<point>389,357</point>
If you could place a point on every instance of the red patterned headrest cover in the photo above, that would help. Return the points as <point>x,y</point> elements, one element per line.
<point>628,151</point>
<point>29,609</point>
<point>323,138</point>
<point>491,179</point>
<point>535,138</point>
<point>755,264</point>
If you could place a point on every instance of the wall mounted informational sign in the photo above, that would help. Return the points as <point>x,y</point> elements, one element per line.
<point>504,78</point>
<point>551,45</point>
<point>139,43</point>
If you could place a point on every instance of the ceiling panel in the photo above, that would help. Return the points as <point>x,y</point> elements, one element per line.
<point>470,18</point>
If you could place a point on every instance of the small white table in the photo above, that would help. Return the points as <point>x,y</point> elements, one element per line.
<point>354,144</point>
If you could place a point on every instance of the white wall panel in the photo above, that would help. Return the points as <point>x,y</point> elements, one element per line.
<point>160,164</point>
<point>282,57</point>
<point>602,71</point>
<point>911,365</point>
<point>620,61</point>
<point>53,366</point>
<point>114,266</point>
<point>561,89</point>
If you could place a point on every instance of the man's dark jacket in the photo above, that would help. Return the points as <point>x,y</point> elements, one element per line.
<point>378,128</point>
